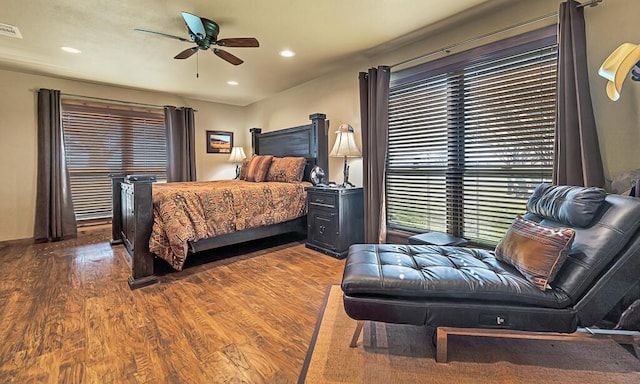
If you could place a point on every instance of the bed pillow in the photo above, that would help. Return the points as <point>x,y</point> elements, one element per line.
<point>287,169</point>
<point>536,251</point>
<point>244,167</point>
<point>258,168</point>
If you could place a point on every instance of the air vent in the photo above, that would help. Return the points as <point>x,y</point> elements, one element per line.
<point>10,30</point>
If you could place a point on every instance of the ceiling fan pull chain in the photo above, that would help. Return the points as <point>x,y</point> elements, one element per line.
<point>198,64</point>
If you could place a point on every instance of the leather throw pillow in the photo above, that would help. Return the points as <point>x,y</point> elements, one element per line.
<point>534,250</point>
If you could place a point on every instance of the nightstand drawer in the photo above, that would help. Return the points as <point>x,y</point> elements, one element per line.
<point>322,200</point>
<point>323,228</point>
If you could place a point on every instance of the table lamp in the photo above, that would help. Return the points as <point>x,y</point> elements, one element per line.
<point>237,155</point>
<point>345,146</point>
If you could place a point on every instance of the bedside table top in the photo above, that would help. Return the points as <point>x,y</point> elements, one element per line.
<point>333,189</point>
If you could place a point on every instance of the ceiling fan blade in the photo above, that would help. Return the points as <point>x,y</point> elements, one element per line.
<point>195,25</point>
<point>247,42</point>
<point>186,53</point>
<point>224,55</point>
<point>163,34</point>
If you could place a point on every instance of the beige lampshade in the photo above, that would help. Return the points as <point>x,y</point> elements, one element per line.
<point>237,155</point>
<point>617,66</point>
<point>345,144</point>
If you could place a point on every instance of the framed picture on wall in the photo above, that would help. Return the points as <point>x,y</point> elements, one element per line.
<point>219,141</point>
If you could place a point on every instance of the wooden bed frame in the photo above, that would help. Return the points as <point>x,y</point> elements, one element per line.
<point>133,207</point>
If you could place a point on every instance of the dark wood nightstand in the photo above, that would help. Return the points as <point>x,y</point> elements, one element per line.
<point>335,219</point>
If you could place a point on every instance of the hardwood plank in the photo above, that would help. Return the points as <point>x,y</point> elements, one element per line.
<point>245,316</point>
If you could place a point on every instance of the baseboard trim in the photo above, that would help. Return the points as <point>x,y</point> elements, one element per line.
<point>25,241</point>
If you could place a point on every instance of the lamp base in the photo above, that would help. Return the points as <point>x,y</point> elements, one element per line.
<point>237,172</point>
<point>346,183</point>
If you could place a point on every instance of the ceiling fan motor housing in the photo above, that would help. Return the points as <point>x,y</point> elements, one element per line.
<point>211,29</point>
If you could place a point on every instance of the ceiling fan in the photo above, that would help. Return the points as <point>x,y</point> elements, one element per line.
<point>204,33</point>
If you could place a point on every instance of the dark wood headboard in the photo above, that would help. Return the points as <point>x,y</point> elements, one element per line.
<point>309,141</point>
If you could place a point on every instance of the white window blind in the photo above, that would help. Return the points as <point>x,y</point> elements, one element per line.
<point>470,140</point>
<point>104,139</point>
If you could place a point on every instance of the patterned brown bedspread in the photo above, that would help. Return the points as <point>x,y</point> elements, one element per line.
<point>192,211</point>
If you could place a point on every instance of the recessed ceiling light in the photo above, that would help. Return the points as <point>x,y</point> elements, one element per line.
<point>70,50</point>
<point>231,82</point>
<point>287,53</point>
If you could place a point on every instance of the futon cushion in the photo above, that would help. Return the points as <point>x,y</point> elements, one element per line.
<point>568,205</point>
<point>286,169</point>
<point>536,251</point>
<point>430,272</point>
<point>258,168</point>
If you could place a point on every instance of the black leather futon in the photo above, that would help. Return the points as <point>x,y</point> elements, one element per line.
<point>443,286</point>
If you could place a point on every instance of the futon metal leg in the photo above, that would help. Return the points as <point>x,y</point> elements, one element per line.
<point>582,334</point>
<point>356,334</point>
<point>441,345</point>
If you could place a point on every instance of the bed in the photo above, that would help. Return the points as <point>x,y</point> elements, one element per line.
<point>133,201</point>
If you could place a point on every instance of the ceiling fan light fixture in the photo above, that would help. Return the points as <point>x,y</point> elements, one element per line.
<point>232,82</point>
<point>287,53</point>
<point>71,50</point>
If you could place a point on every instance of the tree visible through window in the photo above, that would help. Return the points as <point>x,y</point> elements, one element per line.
<point>103,139</point>
<point>470,136</point>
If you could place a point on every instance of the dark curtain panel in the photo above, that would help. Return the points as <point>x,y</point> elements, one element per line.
<point>181,151</point>
<point>55,219</point>
<point>374,117</point>
<point>577,159</point>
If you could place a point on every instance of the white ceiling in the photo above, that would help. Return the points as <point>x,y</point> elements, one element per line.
<point>323,33</point>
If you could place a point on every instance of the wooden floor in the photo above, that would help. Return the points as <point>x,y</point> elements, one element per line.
<point>68,316</point>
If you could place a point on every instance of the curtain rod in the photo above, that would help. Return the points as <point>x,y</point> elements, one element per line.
<point>112,101</point>
<point>81,97</point>
<point>447,49</point>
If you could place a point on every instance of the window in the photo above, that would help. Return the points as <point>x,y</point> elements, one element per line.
<point>104,139</point>
<point>470,136</point>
